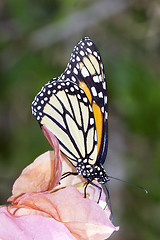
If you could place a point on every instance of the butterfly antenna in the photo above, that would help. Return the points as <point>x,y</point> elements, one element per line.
<point>129,183</point>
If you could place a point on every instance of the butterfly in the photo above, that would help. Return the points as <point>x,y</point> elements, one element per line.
<point>74,107</point>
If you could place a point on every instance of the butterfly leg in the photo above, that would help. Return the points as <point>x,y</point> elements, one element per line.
<point>64,175</point>
<point>93,184</point>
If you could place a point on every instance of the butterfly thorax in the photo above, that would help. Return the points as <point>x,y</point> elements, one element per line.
<point>92,172</point>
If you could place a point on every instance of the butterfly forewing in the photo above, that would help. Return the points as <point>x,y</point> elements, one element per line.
<point>86,69</point>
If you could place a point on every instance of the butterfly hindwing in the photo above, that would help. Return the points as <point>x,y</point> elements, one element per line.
<point>62,106</point>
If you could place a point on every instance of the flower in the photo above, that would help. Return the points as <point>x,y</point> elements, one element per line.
<point>28,227</point>
<point>42,208</point>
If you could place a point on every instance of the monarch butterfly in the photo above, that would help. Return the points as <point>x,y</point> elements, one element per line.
<point>74,108</point>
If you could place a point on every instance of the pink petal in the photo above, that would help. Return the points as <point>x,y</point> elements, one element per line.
<point>31,227</point>
<point>83,217</point>
<point>41,175</point>
<point>90,231</point>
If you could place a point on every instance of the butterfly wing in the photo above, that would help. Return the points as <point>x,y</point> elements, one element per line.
<point>74,106</point>
<point>62,106</point>
<point>86,69</point>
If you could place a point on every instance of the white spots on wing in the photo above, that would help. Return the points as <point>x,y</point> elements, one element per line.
<point>85,72</point>
<point>100,78</point>
<point>104,85</point>
<point>100,94</point>
<point>90,108</point>
<point>95,53</point>
<point>102,109</point>
<point>75,71</point>
<point>82,53</point>
<point>91,121</point>
<point>94,92</point>
<point>89,43</point>
<point>81,91</point>
<point>105,99</point>
<point>85,161</point>
<point>78,96</point>
<point>72,89</point>
<point>96,79</point>
<point>76,87</point>
<point>106,115</point>
<point>89,50</point>
<point>68,72</point>
<point>73,79</point>
<point>85,99</point>
<point>78,58</point>
<point>95,136</point>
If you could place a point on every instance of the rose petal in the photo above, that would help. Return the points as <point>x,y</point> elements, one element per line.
<point>41,175</point>
<point>83,217</point>
<point>31,227</point>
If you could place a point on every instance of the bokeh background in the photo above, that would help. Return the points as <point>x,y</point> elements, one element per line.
<point>36,40</point>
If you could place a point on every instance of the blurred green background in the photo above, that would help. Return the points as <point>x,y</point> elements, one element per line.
<point>36,40</point>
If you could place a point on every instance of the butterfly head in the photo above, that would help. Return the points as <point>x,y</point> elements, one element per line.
<point>92,172</point>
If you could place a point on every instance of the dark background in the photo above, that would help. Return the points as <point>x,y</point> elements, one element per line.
<point>36,40</point>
